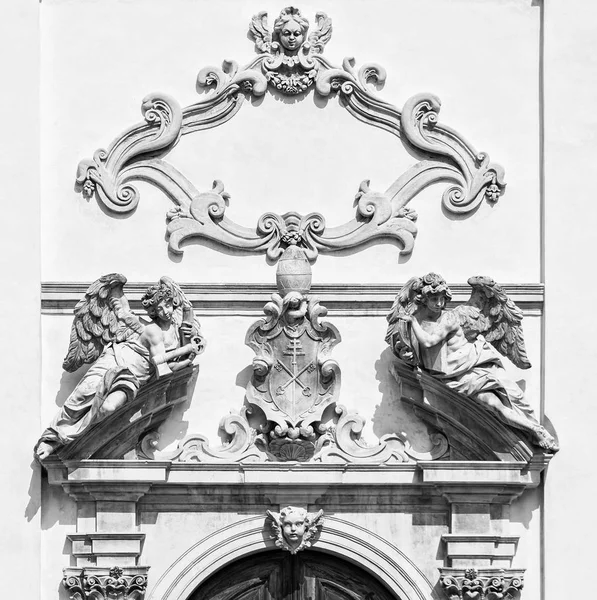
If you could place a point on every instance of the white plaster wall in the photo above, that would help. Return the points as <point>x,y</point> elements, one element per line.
<point>20,267</point>
<point>570,333</point>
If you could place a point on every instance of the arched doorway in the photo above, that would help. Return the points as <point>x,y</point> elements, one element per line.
<point>280,575</point>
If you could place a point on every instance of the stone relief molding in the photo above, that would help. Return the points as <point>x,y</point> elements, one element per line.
<point>97,583</point>
<point>294,529</point>
<point>483,584</point>
<point>291,62</point>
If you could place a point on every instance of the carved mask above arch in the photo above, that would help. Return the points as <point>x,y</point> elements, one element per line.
<point>290,62</point>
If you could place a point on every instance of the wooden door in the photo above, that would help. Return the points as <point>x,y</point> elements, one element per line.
<point>279,575</point>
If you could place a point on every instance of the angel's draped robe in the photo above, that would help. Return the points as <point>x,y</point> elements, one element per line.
<point>124,366</point>
<point>473,368</point>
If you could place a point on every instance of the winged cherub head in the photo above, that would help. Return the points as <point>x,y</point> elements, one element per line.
<point>290,29</point>
<point>294,527</point>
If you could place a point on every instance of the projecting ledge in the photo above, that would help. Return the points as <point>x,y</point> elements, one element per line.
<point>446,476</point>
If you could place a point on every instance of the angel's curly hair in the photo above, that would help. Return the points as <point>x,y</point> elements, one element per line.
<point>290,13</point>
<point>154,294</point>
<point>294,509</point>
<point>430,284</point>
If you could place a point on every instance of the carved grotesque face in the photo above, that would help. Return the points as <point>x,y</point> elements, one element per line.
<point>164,309</point>
<point>435,303</point>
<point>293,528</point>
<point>291,35</point>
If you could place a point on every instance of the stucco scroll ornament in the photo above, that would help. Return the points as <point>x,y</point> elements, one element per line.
<point>295,529</point>
<point>462,346</point>
<point>291,61</point>
<point>125,352</point>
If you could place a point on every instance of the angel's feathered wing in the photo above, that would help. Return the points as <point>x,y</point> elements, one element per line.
<point>101,317</point>
<point>316,521</point>
<point>320,36</point>
<point>260,32</point>
<point>490,312</point>
<point>398,335</point>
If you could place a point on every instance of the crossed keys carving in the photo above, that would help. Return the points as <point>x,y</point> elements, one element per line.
<point>294,349</point>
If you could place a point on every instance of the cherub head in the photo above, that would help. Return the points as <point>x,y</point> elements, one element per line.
<point>294,527</point>
<point>290,29</point>
<point>159,302</point>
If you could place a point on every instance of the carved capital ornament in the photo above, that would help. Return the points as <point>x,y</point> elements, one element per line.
<point>290,62</point>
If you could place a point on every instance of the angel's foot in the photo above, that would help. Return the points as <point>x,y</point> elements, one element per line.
<point>44,450</point>
<point>545,440</point>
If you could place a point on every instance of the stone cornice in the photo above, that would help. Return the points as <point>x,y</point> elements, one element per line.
<point>216,486</point>
<point>249,298</point>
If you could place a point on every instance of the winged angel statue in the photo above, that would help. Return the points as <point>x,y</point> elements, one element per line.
<point>462,346</point>
<point>126,352</point>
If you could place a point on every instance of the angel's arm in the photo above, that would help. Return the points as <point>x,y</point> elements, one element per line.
<point>436,333</point>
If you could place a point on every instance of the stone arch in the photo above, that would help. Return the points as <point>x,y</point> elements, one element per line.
<point>339,537</point>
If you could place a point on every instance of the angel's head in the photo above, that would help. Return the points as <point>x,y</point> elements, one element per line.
<point>432,292</point>
<point>290,28</point>
<point>159,302</point>
<point>293,522</point>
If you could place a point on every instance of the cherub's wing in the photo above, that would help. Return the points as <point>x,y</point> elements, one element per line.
<point>315,522</point>
<point>103,316</point>
<point>398,332</point>
<point>320,36</point>
<point>275,524</point>
<point>261,34</point>
<point>500,319</point>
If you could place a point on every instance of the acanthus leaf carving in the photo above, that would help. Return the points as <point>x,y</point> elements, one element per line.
<point>483,584</point>
<point>97,583</point>
<point>290,60</point>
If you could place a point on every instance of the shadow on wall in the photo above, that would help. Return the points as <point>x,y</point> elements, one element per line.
<point>68,382</point>
<point>392,415</point>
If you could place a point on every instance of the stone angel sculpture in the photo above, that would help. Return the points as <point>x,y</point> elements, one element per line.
<point>463,346</point>
<point>294,528</point>
<point>125,352</point>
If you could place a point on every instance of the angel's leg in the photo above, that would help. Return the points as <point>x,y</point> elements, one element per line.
<point>541,436</point>
<point>114,400</point>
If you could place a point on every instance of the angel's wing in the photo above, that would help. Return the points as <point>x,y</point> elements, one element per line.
<point>316,521</point>
<point>261,34</point>
<point>320,36</point>
<point>275,524</point>
<point>101,317</point>
<point>498,319</point>
<point>398,335</point>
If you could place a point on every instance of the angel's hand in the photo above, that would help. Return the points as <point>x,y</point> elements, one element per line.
<point>186,328</point>
<point>406,318</point>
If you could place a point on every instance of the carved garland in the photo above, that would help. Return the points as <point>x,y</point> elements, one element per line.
<point>290,62</point>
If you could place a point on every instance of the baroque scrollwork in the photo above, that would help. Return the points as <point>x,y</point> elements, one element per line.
<point>290,61</point>
<point>115,583</point>
<point>471,584</point>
